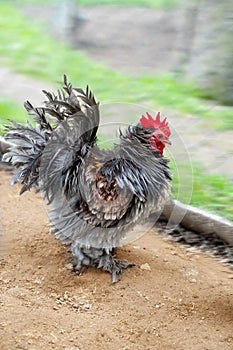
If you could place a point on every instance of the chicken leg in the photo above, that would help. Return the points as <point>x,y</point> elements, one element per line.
<point>101,258</point>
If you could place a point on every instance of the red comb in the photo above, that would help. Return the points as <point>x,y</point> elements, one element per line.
<point>149,122</point>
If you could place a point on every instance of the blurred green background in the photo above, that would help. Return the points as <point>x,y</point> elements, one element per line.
<point>42,40</point>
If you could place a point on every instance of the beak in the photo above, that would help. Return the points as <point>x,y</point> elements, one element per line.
<point>168,142</point>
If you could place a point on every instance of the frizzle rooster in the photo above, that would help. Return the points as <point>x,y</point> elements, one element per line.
<point>94,196</point>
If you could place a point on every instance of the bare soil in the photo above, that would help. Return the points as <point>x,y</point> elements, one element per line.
<point>171,299</point>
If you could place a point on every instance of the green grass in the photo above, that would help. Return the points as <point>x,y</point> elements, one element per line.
<point>194,186</point>
<point>213,192</point>
<point>145,3</point>
<point>10,110</point>
<point>142,3</point>
<point>29,50</point>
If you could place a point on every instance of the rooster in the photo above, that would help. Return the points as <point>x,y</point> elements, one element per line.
<point>94,196</point>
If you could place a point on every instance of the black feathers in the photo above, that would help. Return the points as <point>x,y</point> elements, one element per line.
<point>94,196</point>
<point>69,122</point>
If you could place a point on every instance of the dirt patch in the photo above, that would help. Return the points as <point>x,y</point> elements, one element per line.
<point>184,301</point>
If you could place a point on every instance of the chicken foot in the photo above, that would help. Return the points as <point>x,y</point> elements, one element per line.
<point>84,257</point>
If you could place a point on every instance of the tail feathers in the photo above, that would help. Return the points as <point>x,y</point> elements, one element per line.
<point>72,110</point>
<point>67,102</point>
<point>39,116</point>
<point>28,172</point>
<point>27,136</point>
<point>27,143</point>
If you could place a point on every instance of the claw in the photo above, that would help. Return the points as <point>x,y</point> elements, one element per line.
<point>119,265</point>
<point>115,266</point>
<point>79,270</point>
<point>99,258</point>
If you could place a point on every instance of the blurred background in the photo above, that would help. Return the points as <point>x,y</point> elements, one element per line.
<point>175,56</point>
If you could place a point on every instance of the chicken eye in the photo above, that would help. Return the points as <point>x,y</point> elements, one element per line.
<point>159,136</point>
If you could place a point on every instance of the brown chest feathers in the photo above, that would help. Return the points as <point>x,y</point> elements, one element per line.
<point>107,190</point>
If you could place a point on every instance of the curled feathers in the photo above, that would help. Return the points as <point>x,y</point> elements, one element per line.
<point>65,127</point>
<point>67,103</point>
<point>94,195</point>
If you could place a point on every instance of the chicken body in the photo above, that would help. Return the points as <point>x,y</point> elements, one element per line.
<point>94,196</point>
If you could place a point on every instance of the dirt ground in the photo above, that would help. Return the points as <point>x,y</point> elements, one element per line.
<point>171,299</point>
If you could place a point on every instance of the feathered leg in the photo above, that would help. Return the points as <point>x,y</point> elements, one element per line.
<point>100,258</point>
<point>115,266</point>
